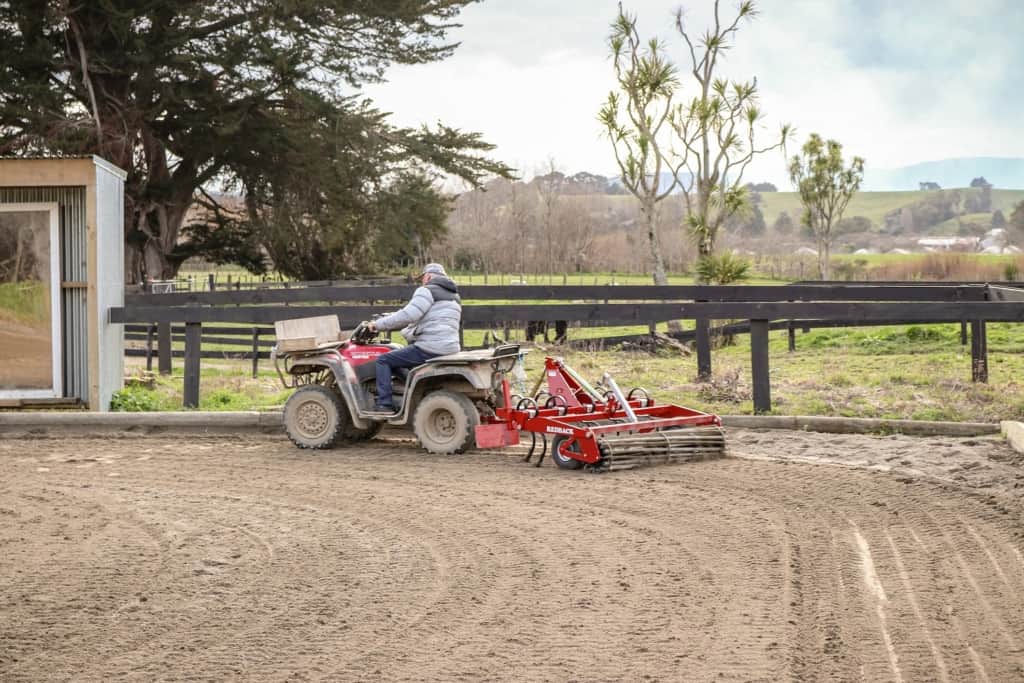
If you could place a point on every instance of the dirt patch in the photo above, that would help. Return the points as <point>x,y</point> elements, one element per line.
<point>211,558</point>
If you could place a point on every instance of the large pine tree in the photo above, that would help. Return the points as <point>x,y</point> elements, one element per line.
<point>257,95</point>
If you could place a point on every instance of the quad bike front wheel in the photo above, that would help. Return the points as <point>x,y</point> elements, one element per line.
<point>314,417</point>
<point>445,422</point>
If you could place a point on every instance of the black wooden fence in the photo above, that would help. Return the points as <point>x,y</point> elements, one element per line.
<point>762,306</point>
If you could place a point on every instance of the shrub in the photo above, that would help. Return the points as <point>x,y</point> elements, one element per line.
<point>223,399</point>
<point>722,269</point>
<point>915,333</point>
<point>851,270</point>
<point>134,400</point>
<point>936,414</point>
<point>840,381</point>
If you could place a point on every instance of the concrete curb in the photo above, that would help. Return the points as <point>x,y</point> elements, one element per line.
<point>196,422</point>
<point>1014,434</point>
<point>155,423</point>
<point>859,425</point>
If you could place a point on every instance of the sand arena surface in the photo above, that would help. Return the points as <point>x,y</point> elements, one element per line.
<point>802,557</point>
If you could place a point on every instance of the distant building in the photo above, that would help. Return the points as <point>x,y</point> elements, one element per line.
<point>948,243</point>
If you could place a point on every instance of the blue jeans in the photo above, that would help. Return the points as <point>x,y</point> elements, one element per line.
<point>406,357</point>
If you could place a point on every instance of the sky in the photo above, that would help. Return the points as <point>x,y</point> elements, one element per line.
<point>896,82</point>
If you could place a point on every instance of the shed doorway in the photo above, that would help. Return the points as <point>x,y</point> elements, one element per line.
<point>30,314</point>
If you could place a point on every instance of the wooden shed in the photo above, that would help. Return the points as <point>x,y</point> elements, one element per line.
<point>61,270</point>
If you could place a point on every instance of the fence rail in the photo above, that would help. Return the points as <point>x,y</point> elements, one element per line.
<point>763,307</point>
<point>602,293</point>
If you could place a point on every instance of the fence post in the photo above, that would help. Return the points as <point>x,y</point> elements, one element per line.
<point>759,366</point>
<point>979,352</point>
<point>703,349</point>
<point>255,351</point>
<point>791,333</point>
<point>150,331</point>
<point>163,345</point>
<point>193,351</point>
<point>963,333</point>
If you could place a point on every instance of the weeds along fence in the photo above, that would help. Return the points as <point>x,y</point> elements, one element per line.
<point>248,315</point>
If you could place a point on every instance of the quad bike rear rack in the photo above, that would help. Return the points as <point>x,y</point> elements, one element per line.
<point>601,431</point>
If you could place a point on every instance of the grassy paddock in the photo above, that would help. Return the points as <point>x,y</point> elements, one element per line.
<point>898,372</point>
<point>910,267</point>
<point>951,267</point>
<point>875,205</point>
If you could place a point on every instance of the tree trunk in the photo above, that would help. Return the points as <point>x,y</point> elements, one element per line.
<point>18,255</point>
<point>647,208</point>
<point>158,197</point>
<point>705,241</point>
<point>823,259</point>
<point>160,226</point>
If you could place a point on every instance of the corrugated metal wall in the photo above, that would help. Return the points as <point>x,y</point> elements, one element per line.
<point>73,269</point>
<point>110,280</point>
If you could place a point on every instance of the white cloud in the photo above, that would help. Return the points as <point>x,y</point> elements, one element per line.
<point>895,83</point>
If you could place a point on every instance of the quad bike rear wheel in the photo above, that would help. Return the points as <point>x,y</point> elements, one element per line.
<point>445,422</point>
<point>562,461</point>
<point>314,417</point>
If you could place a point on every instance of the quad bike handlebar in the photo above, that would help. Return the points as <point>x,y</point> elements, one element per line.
<point>363,334</point>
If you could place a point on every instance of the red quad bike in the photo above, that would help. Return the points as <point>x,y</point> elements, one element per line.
<point>444,400</point>
<point>463,400</point>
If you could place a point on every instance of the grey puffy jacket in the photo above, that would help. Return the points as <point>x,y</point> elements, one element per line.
<point>431,318</point>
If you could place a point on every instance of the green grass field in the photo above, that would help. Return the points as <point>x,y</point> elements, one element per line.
<point>895,372</point>
<point>874,205</point>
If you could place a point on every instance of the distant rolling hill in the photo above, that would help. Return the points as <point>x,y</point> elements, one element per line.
<point>873,205</point>
<point>1002,172</point>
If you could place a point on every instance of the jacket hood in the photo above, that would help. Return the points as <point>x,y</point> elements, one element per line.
<point>444,282</point>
